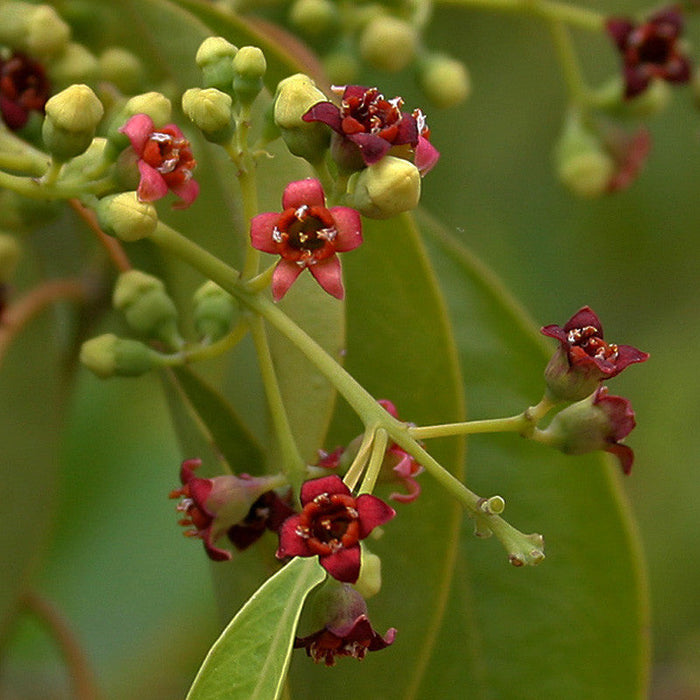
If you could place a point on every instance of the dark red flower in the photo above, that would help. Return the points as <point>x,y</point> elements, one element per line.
<point>584,358</point>
<point>347,632</point>
<point>650,49</point>
<point>211,507</point>
<point>367,126</point>
<point>307,234</point>
<point>331,524</point>
<point>24,88</point>
<point>165,160</point>
<point>267,513</point>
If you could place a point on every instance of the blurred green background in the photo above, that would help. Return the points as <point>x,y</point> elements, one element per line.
<point>632,257</point>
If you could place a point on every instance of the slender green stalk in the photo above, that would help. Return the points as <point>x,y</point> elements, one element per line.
<point>375,461</point>
<point>491,425</point>
<point>352,475</point>
<point>573,77</point>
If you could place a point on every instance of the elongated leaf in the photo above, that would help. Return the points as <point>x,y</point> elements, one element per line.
<point>250,658</point>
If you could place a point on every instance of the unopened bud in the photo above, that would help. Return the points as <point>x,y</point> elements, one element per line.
<point>582,163</point>
<point>384,189</point>
<point>71,119</point>
<point>214,311</point>
<point>122,68</point>
<point>215,58</point>
<point>146,305</point>
<point>156,105</point>
<point>209,109</point>
<point>110,356</point>
<point>295,96</point>
<point>9,255</point>
<point>47,34</point>
<point>388,43</point>
<point>125,216</point>
<point>369,582</point>
<point>75,64</point>
<point>444,80</point>
<point>249,67</point>
<point>314,18</point>
<point>342,67</point>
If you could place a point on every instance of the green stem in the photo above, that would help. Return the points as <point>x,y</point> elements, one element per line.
<point>36,189</point>
<point>573,77</point>
<point>352,475</point>
<point>208,352</point>
<point>375,461</point>
<point>513,424</point>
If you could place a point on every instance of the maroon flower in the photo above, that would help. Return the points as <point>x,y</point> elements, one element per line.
<point>307,234</point>
<point>367,126</point>
<point>598,422</point>
<point>331,525</point>
<point>267,513</point>
<point>583,358</point>
<point>347,632</point>
<point>650,50</point>
<point>165,160</point>
<point>212,506</point>
<point>24,87</point>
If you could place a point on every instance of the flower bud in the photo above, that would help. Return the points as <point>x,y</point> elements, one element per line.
<point>9,255</point>
<point>209,110</point>
<point>444,80</point>
<point>125,216</point>
<point>214,311</point>
<point>388,43</point>
<point>122,68</point>
<point>582,163</point>
<point>341,66</point>
<point>295,96</point>
<point>249,67</point>
<point>598,422</point>
<point>111,356</point>
<point>146,305</point>
<point>47,33</point>
<point>314,18</point>
<point>384,189</point>
<point>71,119</point>
<point>215,58</point>
<point>75,64</point>
<point>369,582</point>
<point>153,104</point>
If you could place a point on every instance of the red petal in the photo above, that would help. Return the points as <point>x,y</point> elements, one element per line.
<point>325,112</point>
<point>139,128</point>
<point>283,277</point>
<point>348,224</point>
<point>624,454</point>
<point>301,192</point>
<point>343,565</point>
<point>187,192</point>
<point>372,513</point>
<point>291,543</point>
<point>261,228</point>
<point>326,484</point>
<point>152,185</point>
<point>426,156</point>
<point>328,274</point>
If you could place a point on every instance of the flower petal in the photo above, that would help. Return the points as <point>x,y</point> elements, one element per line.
<point>348,225</point>
<point>372,513</point>
<point>152,185</point>
<point>624,454</point>
<point>328,273</point>
<point>426,156</point>
<point>372,147</point>
<point>325,112</point>
<point>308,191</point>
<point>292,544</point>
<point>283,277</point>
<point>187,192</point>
<point>343,565</point>
<point>326,484</point>
<point>261,228</point>
<point>139,129</point>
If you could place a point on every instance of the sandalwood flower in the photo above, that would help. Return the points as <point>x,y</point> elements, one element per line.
<point>267,513</point>
<point>366,126</point>
<point>331,525</point>
<point>165,160</point>
<point>650,50</point>
<point>307,235</point>
<point>584,358</point>
<point>24,88</point>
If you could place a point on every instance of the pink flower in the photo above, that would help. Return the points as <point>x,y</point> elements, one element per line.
<point>583,358</point>
<point>307,234</point>
<point>331,524</point>
<point>165,161</point>
<point>367,126</point>
<point>650,50</point>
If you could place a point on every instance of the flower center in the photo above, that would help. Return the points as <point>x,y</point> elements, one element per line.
<point>305,235</point>
<point>371,113</point>
<point>170,155</point>
<point>329,523</point>
<point>24,87</point>
<point>654,48</point>
<point>589,340</point>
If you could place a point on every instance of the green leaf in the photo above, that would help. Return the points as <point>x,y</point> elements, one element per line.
<point>250,658</point>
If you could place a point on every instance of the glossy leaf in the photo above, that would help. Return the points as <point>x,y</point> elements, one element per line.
<point>249,660</point>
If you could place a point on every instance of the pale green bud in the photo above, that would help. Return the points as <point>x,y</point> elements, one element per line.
<point>314,17</point>
<point>125,216</point>
<point>384,189</point>
<point>214,311</point>
<point>341,67</point>
<point>75,64</point>
<point>209,109</point>
<point>249,66</point>
<point>14,18</point>
<point>215,58</point>
<point>122,68</point>
<point>582,163</point>
<point>369,582</point>
<point>110,356</point>
<point>47,33</point>
<point>146,305</point>
<point>9,256</point>
<point>444,80</point>
<point>295,96</point>
<point>156,105</point>
<point>388,43</point>
<point>72,117</point>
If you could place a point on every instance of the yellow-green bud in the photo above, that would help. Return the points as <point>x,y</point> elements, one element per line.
<point>369,582</point>
<point>214,311</point>
<point>295,96</point>
<point>75,64</point>
<point>9,255</point>
<point>122,68</point>
<point>125,216</point>
<point>341,67</point>
<point>110,356</point>
<point>215,58</point>
<point>444,80</point>
<point>146,305</point>
<point>47,33</point>
<point>156,105</point>
<point>582,163</point>
<point>314,17</point>
<point>209,109</point>
<point>71,119</point>
<point>384,189</point>
<point>388,43</point>
<point>249,66</point>
<point>14,17</point>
